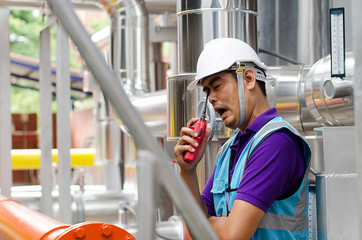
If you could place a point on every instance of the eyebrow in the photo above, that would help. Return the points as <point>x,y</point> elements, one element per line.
<point>211,82</point>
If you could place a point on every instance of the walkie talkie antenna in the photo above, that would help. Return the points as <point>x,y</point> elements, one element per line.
<point>203,116</point>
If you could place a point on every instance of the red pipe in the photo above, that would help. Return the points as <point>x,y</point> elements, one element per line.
<point>19,222</point>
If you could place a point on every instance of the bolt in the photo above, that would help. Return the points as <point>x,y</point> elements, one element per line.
<point>79,233</point>
<point>106,230</point>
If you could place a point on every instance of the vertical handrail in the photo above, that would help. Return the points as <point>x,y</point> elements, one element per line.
<point>179,193</point>
<point>46,123</point>
<point>5,113</point>
<point>63,125</point>
<point>146,177</point>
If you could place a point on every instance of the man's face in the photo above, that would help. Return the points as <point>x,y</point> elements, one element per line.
<point>224,97</point>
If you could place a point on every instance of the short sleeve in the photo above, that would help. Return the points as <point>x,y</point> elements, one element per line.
<point>207,197</point>
<point>274,171</point>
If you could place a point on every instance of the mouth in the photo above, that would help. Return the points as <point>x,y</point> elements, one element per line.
<point>220,111</point>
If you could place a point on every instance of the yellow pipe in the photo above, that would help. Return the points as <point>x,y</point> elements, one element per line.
<point>30,158</point>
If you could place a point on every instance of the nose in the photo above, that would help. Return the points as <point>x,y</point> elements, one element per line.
<point>212,97</point>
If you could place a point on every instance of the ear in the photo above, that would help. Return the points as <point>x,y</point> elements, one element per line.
<point>250,78</point>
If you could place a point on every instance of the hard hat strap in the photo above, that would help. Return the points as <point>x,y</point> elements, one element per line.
<point>239,75</point>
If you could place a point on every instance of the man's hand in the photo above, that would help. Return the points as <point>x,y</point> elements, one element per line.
<point>186,143</point>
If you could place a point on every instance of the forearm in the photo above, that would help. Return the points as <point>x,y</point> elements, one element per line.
<point>190,178</point>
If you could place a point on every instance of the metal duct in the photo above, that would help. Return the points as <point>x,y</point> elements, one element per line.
<point>299,94</point>
<point>201,21</point>
<point>293,32</point>
<point>338,111</point>
<point>285,91</point>
<point>129,45</point>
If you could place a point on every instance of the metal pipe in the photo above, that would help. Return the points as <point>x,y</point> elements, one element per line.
<point>146,176</point>
<point>46,123</point>
<point>338,88</point>
<point>63,124</point>
<point>209,20</point>
<point>129,45</point>
<point>5,116</point>
<point>19,222</point>
<point>183,199</point>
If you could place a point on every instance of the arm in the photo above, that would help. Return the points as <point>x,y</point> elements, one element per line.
<point>188,169</point>
<point>241,224</point>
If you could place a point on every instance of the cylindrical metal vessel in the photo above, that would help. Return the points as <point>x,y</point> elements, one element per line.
<point>198,22</point>
<point>338,111</point>
<point>287,95</point>
<point>297,30</point>
<point>129,44</point>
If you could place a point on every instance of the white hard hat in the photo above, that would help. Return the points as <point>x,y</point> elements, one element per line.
<point>220,54</point>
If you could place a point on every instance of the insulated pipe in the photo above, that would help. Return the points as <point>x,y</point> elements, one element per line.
<point>199,22</point>
<point>110,85</point>
<point>20,222</point>
<point>129,44</point>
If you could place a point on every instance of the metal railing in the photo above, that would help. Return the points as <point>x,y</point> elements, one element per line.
<point>112,88</point>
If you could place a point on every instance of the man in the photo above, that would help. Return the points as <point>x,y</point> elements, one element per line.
<point>259,187</point>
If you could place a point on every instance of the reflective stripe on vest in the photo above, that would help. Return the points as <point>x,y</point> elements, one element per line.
<point>295,217</point>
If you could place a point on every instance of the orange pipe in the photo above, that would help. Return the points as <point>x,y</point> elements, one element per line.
<point>19,222</point>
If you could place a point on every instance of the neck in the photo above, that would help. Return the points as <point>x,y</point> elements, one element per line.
<point>256,110</point>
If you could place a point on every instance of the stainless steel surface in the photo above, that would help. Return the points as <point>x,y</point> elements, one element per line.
<point>297,30</point>
<point>336,185</point>
<point>108,143</point>
<point>5,116</point>
<point>152,108</point>
<point>287,95</point>
<point>63,125</point>
<point>181,105</point>
<point>357,79</point>
<point>182,198</point>
<point>146,176</point>
<point>130,45</point>
<point>328,112</point>
<point>46,123</point>
<point>338,88</point>
<point>96,203</point>
<point>201,21</point>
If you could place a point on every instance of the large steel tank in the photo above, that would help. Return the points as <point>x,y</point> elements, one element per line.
<point>198,22</point>
<point>293,32</point>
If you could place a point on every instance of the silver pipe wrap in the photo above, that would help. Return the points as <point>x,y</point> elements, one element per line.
<point>298,31</point>
<point>198,22</point>
<point>338,111</point>
<point>111,86</point>
<point>129,44</point>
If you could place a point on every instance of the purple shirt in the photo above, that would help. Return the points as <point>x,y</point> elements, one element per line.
<point>274,171</point>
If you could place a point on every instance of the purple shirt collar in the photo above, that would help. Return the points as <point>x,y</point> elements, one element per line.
<point>255,126</point>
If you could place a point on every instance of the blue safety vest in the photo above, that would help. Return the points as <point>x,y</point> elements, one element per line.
<point>286,218</point>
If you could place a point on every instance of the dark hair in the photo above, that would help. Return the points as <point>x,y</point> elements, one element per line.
<point>261,84</point>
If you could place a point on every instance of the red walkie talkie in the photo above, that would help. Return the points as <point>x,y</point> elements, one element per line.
<point>199,127</point>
